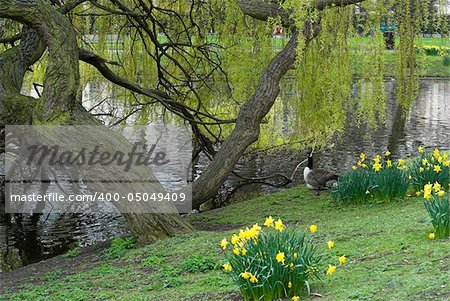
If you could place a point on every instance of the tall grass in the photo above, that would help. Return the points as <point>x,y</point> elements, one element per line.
<point>353,187</point>
<point>389,183</point>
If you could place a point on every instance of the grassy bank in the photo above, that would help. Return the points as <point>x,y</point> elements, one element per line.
<point>389,257</point>
<point>428,66</point>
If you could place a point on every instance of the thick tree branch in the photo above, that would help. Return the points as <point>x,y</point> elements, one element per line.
<point>173,106</point>
<point>64,9</point>
<point>322,4</point>
<point>263,10</point>
<point>61,77</point>
<point>246,130</point>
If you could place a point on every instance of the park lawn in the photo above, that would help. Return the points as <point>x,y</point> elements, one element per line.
<point>389,256</point>
<point>428,66</point>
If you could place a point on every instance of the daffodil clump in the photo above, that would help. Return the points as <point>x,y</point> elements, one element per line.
<point>381,178</point>
<point>430,167</point>
<point>437,203</point>
<point>272,262</point>
<point>434,50</point>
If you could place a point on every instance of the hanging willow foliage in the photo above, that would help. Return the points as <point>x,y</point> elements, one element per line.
<point>220,54</point>
<point>411,15</point>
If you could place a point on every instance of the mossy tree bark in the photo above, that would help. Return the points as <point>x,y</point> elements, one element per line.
<point>60,105</point>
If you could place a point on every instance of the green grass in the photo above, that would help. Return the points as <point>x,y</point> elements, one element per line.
<point>389,256</point>
<point>429,66</point>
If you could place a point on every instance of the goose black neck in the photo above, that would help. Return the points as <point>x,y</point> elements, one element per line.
<point>310,161</point>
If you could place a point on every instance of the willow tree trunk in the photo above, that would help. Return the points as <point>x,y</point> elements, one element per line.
<point>59,103</point>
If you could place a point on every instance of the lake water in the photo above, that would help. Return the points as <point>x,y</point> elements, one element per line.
<point>28,239</point>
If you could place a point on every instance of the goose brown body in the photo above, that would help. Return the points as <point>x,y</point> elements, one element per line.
<point>317,178</point>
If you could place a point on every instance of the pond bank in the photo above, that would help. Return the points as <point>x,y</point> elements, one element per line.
<point>386,245</point>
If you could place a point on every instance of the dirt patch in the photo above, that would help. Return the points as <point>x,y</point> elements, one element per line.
<point>212,296</point>
<point>34,273</point>
<point>433,295</point>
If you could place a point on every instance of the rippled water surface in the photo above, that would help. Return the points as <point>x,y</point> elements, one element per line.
<point>29,239</point>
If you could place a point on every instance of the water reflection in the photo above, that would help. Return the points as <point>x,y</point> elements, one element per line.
<point>427,123</point>
<point>31,238</point>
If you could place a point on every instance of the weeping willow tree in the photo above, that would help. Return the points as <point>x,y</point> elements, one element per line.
<point>212,64</point>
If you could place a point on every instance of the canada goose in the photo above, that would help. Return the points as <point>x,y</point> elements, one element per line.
<point>317,178</point>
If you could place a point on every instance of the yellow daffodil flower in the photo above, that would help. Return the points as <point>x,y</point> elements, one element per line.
<point>330,244</point>
<point>234,239</point>
<point>246,275</point>
<point>295,298</point>
<point>313,228</point>
<point>289,284</point>
<point>376,167</point>
<point>387,153</point>
<point>236,251</point>
<point>354,167</point>
<point>331,269</point>
<point>440,193</point>
<point>342,259</point>
<point>224,243</point>
<point>389,163</point>
<point>377,159</point>
<point>280,257</point>
<point>295,255</point>
<point>420,149</point>
<point>424,161</point>
<point>244,252</point>
<point>401,161</point>
<point>436,186</point>
<point>253,279</point>
<point>269,222</point>
<point>431,236</point>
<point>256,228</point>
<point>279,225</point>
<point>436,153</point>
<point>427,191</point>
<point>437,168</point>
<point>421,169</point>
<point>227,267</point>
<point>362,156</point>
